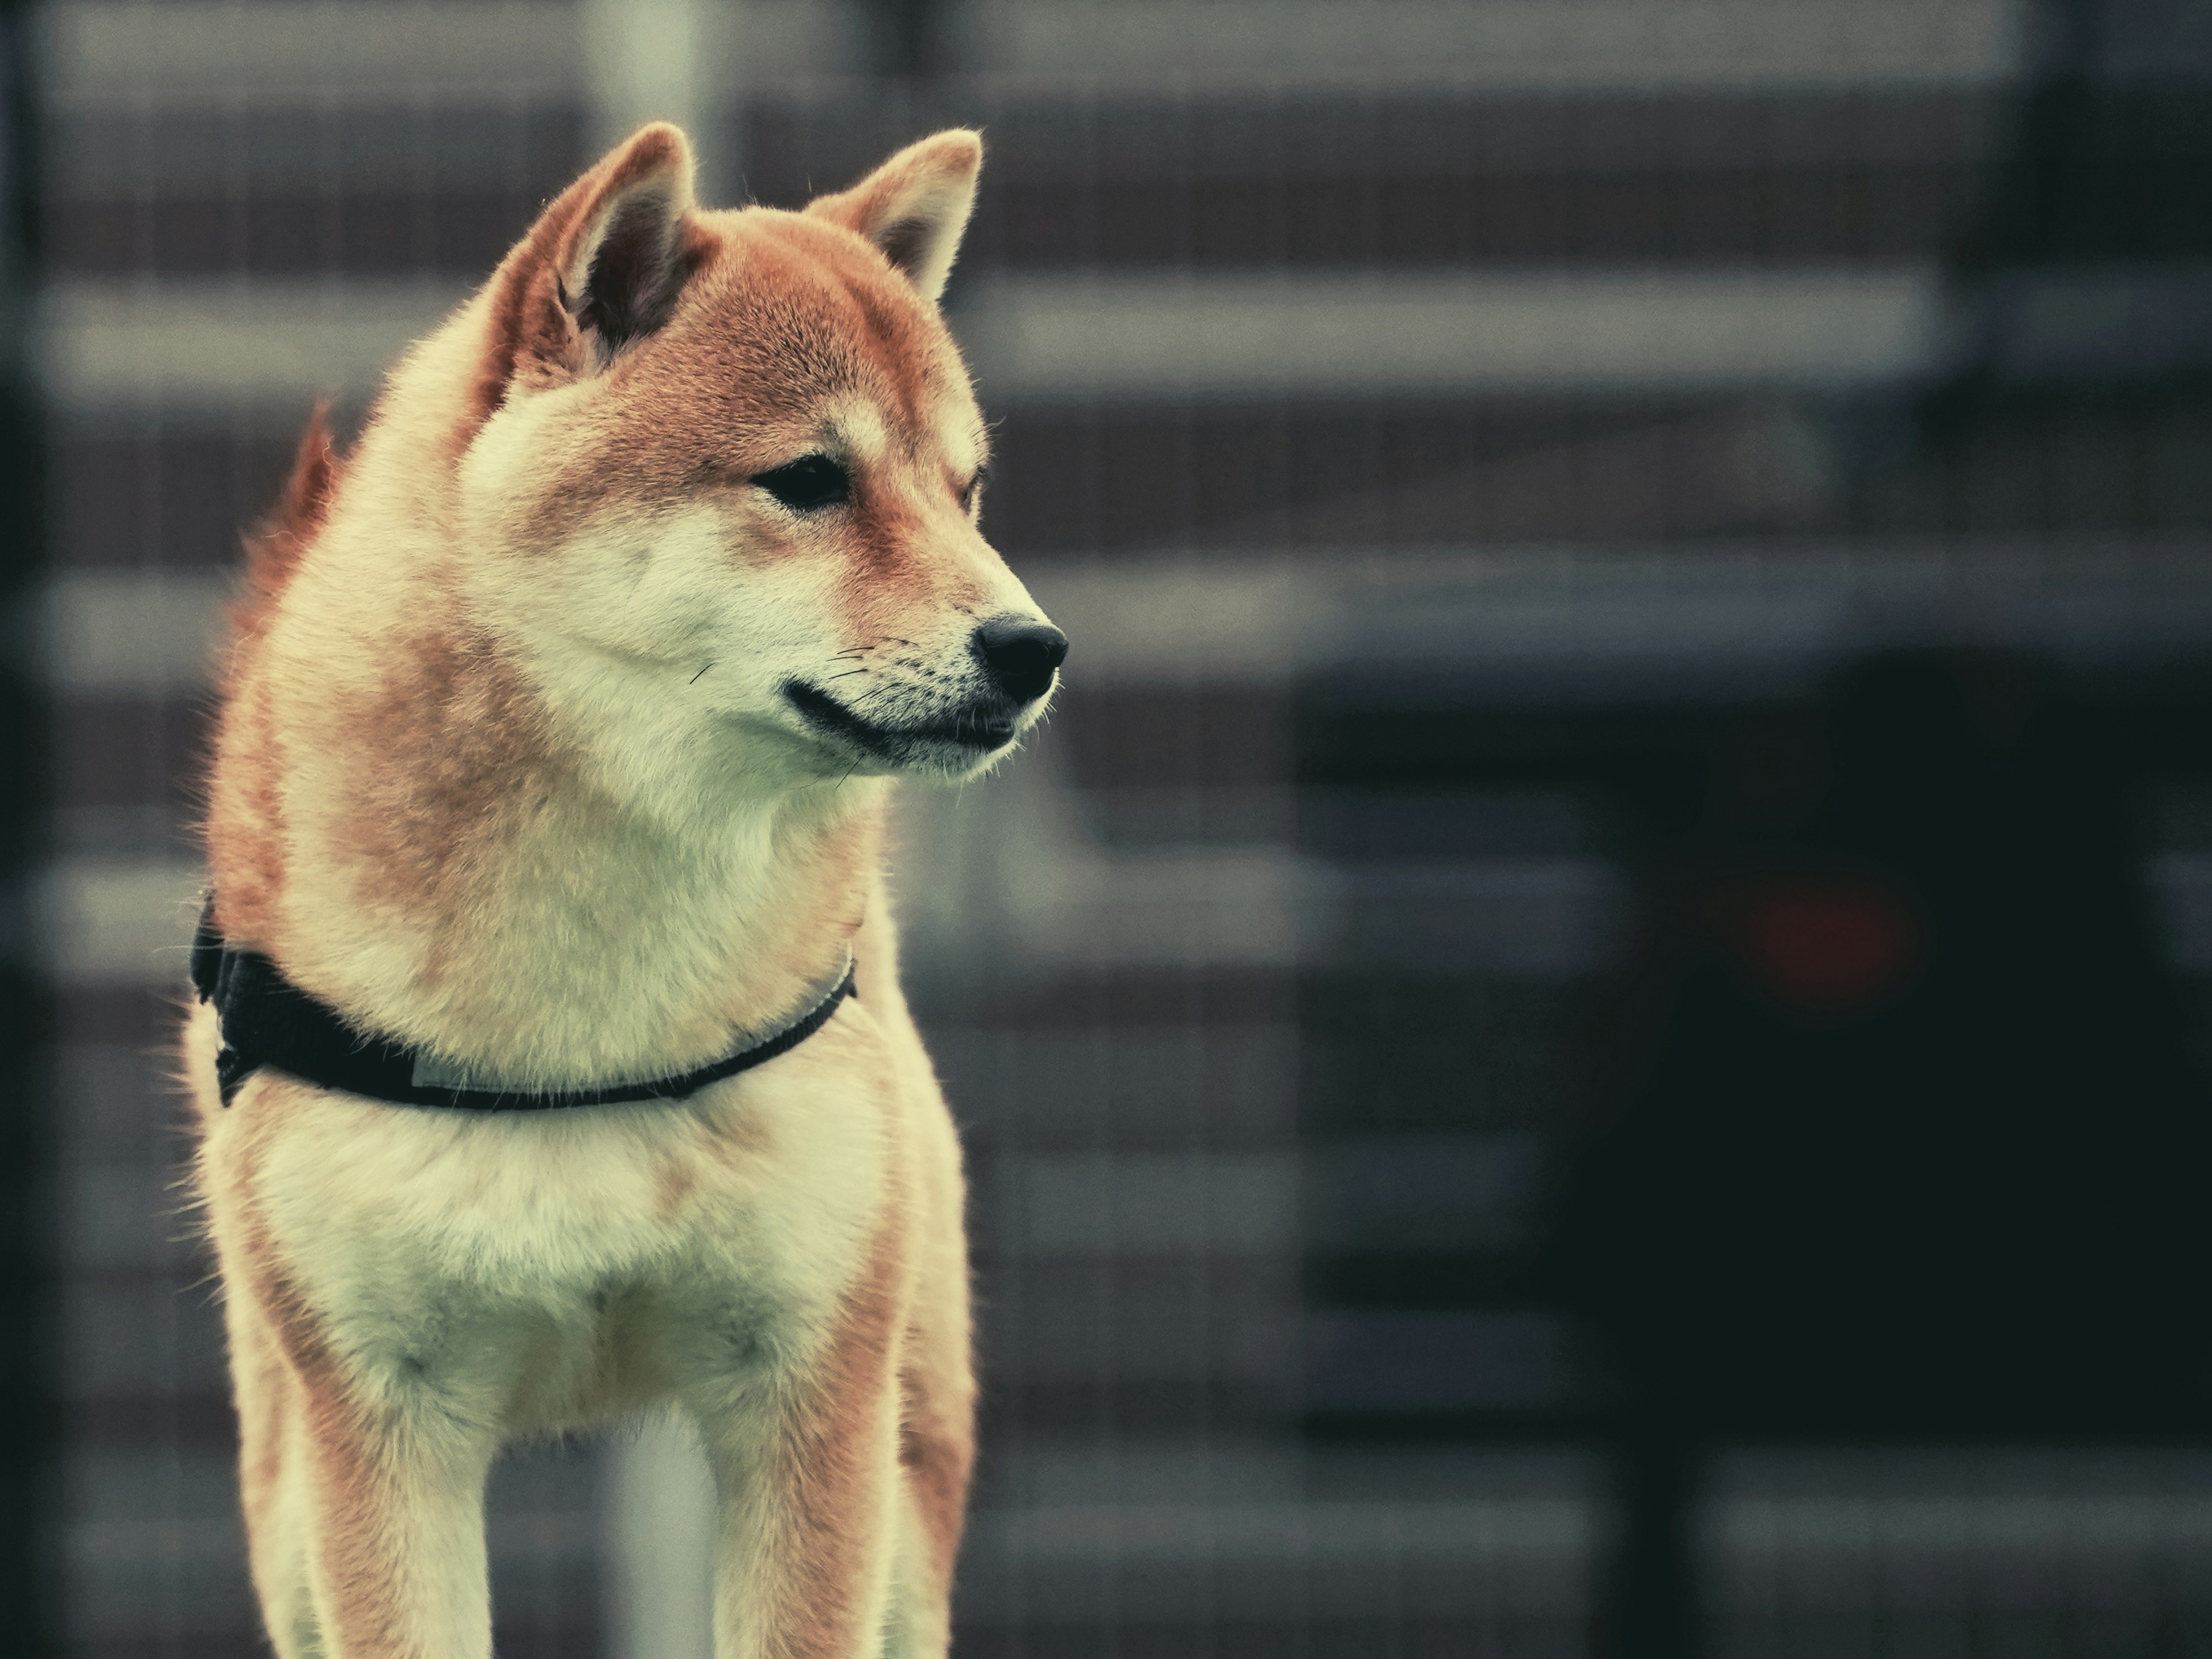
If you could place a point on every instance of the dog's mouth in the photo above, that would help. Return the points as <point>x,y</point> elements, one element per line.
<point>976,729</point>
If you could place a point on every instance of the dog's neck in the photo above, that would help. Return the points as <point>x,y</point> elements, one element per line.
<point>427,830</point>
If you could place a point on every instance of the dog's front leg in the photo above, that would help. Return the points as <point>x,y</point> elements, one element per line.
<point>806,1462</point>
<point>363,1464</point>
<point>392,1504</point>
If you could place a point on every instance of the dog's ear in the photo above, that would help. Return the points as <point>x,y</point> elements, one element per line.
<point>601,267</point>
<point>915,206</point>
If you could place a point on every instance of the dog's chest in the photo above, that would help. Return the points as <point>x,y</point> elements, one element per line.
<point>570,1255</point>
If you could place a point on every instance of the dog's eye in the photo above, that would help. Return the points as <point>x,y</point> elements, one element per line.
<point>975,487</point>
<point>807,483</point>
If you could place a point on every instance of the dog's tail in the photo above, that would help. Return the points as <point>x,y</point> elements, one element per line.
<point>274,547</point>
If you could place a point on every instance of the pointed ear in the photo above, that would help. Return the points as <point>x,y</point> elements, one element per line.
<point>602,266</point>
<point>915,206</point>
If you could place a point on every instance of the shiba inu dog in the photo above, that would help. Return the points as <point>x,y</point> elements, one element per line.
<point>545,838</point>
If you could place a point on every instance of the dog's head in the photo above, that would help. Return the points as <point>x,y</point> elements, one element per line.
<point>728,465</point>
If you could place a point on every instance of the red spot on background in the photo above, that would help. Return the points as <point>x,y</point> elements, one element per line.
<point>1827,946</point>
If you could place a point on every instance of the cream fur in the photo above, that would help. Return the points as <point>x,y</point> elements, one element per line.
<point>509,769</point>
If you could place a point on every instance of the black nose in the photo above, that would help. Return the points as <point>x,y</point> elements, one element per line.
<point>1021,656</point>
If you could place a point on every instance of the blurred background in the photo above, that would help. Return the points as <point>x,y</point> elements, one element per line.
<point>1587,1033</point>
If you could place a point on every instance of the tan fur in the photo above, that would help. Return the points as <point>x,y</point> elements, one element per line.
<point>273,551</point>
<point>524,759</point>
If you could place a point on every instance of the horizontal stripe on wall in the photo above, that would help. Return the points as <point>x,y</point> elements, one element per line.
<point>217,346</point>
<point>1752,213</point>
<point>114,919</point>
<point>1033,340</point>
<point>1638,618</point>
<point>187,50</point>
<point>1069,339</point>
<point>1496,45</point>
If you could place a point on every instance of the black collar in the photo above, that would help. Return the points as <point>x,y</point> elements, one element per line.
<point>266,1020</point>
